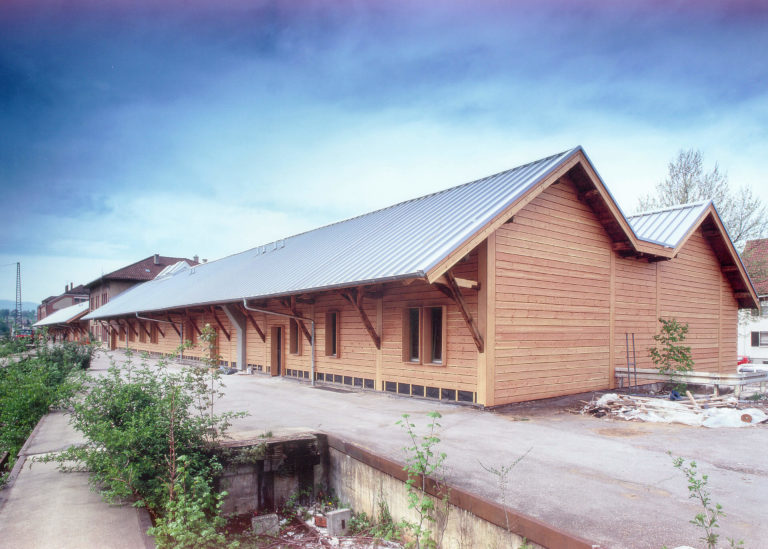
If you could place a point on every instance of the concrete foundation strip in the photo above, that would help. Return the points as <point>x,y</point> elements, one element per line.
<point>528,527</point>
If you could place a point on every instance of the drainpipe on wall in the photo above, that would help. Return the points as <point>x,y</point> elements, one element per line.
<point>312,372</point>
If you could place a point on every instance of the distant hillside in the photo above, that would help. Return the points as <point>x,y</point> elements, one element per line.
<point>25,305</point>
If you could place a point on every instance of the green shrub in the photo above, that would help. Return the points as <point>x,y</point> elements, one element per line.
<point>149,443</point>
<point>29,386</point>
<point>670,355</point>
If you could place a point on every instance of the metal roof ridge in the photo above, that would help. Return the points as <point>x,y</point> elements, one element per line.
<point>671,208</point>
<point>397,204</point>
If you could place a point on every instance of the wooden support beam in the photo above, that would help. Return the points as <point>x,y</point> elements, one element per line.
<point>730,268</point>
<point>623,246</point>
<point>461,282</point>
<point>709,233</point>
<point>588,195</point>
<point>356,299</point>
<point>131,328</point>
<point>144,328</point>
<point>192,322</point>
<point>459,299</point>
<point>741,295</point>
<point>160,329</point>
<point>223,329</point>
<point>294,312</point>
<point>178,332</point>
<point>259,331</point>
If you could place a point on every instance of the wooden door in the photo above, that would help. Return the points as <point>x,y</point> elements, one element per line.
<point>276,361</point>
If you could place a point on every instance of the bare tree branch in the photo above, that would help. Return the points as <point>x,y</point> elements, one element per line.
<point>744,214</point>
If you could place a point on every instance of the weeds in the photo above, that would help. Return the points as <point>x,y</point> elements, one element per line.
<point>502,477</point>
<point>708,517</point>
<point>384,527</point>
<point>422,461</point>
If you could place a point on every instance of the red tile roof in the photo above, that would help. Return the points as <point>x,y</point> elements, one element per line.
<point>755,258</point>
<point>146,269</point>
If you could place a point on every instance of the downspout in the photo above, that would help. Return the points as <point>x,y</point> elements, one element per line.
<point>312,372</point>
<point>181,331</point>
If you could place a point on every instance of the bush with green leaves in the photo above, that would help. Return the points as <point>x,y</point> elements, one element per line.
<point>149,443</point>
<point>29,386</point>
<point>423,461</point>
<point>670,355</point>
<point>192,517</point>
<point>707,519</point>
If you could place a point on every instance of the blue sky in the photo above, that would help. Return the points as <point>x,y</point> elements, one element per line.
<point>128,129</point>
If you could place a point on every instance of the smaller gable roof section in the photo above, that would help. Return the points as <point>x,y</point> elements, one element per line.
<point>755,258</point>
<point>668,226</point>
<point>673,226</point>
<point>419,238</point>
<point>64,316</point>
<point>145,269</point>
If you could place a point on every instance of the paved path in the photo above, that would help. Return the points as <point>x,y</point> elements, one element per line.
<point>44,508</point>
<point>605,480</point>
<point>609,481</point>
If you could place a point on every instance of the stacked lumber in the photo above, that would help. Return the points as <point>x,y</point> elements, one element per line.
<point>617,404</point>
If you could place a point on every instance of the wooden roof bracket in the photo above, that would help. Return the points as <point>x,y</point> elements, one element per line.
<point>223,329</point>
<point>131,328</point>
<point>144,328</point>
<point>356,300</point>
<point>455,293</point>
<point>256,327</point>
<point>193,324</point>
<point>294,312</point>
<point>173,324</point>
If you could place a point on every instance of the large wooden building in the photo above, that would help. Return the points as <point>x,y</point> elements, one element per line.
<point>518,286</point>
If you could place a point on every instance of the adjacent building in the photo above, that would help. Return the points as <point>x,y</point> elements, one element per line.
<point>753,328</point>
<point>109,285</point>
<point>521,285</point>
<point>67,324</point>
<point>71,296</point>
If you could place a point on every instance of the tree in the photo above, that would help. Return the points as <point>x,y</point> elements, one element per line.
<point>744,214</point>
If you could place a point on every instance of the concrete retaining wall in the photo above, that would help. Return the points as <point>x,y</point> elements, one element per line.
<point>361,479</point>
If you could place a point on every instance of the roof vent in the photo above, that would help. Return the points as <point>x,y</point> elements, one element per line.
<point>196,258</point>
<point>157,259</point>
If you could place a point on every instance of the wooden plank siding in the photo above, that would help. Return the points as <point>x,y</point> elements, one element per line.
<point>553,307</point>
<point>552,299</point>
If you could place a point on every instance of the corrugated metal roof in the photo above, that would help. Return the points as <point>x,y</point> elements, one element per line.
<point>401,241</point>
<point>62,316</point>
<point>669,225</point>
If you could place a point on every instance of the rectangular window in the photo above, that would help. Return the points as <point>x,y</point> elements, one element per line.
<point>763,339</point>
<point>142,332</point>
<point>332,333</point>
<point>433,334</point>
<point>294,336</point>
<point>131,333</point>
<point>153,333</point>
<point>424,335</point>
<point>414,331</point>
<point>121,334</point>
<point>189,332</point>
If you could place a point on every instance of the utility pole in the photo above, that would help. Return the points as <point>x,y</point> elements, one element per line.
<point>18,295</point>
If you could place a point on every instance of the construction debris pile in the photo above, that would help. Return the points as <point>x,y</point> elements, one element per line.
<point>710,411</point>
